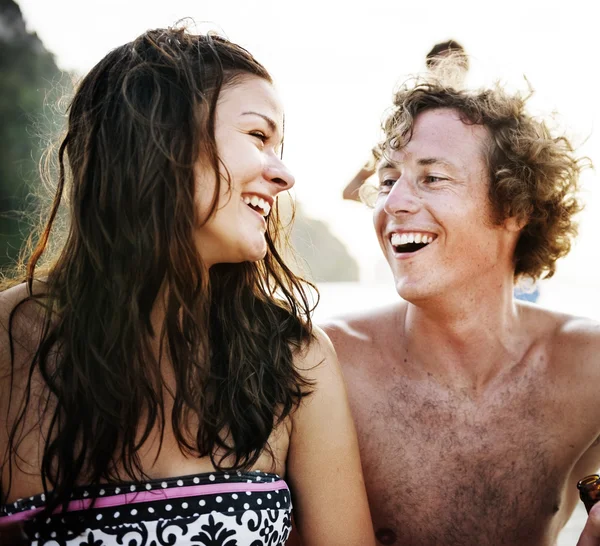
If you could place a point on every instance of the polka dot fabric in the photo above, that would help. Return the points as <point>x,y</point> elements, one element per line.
<point>212,509</point>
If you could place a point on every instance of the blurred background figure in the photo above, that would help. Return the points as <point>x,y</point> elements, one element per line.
<point>527,291</point>
<point>449,62</point>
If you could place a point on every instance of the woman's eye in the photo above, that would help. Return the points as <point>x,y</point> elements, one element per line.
<point>261,136</point>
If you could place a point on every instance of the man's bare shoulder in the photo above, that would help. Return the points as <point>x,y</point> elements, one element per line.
<point>359,324</point>
<point>572,339</point>
<point>359,329</point>
<point>579,338</point>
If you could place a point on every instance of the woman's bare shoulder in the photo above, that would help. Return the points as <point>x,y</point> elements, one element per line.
<point>316,352</point>
<point>21,319</point>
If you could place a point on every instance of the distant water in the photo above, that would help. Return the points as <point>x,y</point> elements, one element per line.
<point>347,297</point>
<point>579,297</point>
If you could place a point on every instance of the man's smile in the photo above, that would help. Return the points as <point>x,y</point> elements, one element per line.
<point>410,241</point>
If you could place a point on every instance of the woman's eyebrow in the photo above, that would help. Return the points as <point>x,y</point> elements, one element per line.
<point>270,122</point>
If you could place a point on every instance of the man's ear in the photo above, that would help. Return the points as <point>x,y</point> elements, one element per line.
<point>515,224</point>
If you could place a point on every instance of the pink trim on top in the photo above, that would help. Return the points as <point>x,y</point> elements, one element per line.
<point>158,493</point>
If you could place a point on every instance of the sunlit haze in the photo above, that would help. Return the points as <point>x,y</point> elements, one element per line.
<point>335,65</point>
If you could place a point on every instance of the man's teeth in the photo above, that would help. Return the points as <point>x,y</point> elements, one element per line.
<point>257,202</point>
<point>398,239</point>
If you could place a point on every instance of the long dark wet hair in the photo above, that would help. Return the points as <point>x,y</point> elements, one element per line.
<point>138,123</point>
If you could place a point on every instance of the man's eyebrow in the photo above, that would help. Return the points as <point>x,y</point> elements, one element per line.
<point>386,165</point>
<point>435,161</point>
<point>425,161</point>
<point>270,122</point>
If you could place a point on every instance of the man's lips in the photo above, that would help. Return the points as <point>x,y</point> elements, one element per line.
<point>407,242</point>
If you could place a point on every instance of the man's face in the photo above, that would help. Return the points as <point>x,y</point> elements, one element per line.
<point>433,217</point>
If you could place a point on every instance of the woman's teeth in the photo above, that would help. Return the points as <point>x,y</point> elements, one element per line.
<point>258,204</point>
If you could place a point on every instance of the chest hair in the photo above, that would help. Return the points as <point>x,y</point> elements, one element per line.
<point>442,468</point>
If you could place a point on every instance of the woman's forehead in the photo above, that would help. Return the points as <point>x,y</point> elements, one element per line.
<point>251,94</point>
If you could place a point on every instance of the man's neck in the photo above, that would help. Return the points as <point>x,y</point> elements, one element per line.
<point>466,340</point>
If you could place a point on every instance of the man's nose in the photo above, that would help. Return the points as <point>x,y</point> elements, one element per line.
<point>402,198</point>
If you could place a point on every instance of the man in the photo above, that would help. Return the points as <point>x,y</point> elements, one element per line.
<point>476,414</point>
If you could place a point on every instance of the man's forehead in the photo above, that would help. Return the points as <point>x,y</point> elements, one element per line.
<point>442,134</point>
<point>447,118</point>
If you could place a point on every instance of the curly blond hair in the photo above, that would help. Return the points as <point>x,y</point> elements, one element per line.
<point>534,175</point>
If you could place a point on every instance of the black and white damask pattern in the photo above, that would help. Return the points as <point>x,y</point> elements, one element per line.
<point>250,509</point>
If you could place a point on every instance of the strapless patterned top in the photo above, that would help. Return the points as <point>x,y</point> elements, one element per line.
<point>209,509</point>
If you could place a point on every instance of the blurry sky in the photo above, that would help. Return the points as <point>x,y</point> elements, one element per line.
<point>336,63</point>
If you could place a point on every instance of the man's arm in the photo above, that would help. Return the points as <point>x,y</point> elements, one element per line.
<point>579,342</point>
<point>591,532</point>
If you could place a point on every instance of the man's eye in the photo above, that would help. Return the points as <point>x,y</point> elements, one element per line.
<point>387,183</point>
<point>430,179</point>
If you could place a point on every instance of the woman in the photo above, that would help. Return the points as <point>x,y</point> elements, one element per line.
<point>161,377</point>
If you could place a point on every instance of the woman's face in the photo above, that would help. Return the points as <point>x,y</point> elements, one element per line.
<point>248,134</point>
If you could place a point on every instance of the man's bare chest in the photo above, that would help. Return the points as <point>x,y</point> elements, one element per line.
<point>442,468</point>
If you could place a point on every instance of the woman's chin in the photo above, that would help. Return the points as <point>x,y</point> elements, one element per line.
<point>258,256</point>
<point>255,252</point>
<point>250,252</point>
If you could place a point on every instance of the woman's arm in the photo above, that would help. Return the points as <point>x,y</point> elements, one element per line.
<point>323,465</point>
<point>23,337</point>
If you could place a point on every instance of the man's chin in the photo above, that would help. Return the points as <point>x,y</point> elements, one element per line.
<point>412,292</point>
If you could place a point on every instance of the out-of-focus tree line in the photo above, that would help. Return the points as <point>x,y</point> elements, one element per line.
<point>28,73</point>
<point>28,118</point>
<point>326,258</point>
